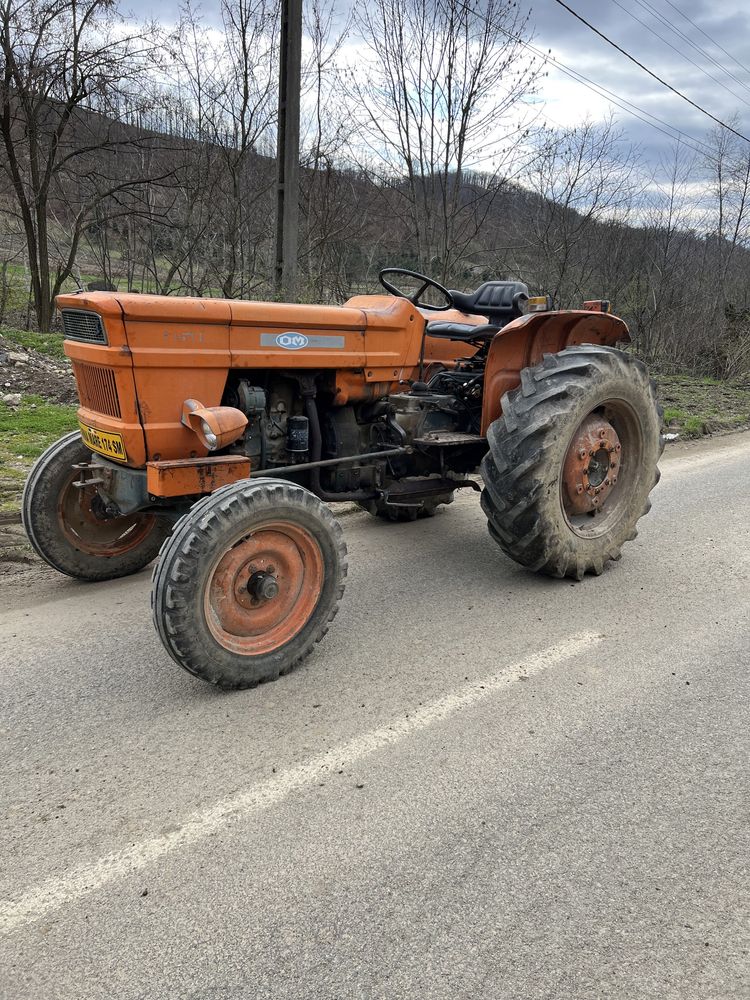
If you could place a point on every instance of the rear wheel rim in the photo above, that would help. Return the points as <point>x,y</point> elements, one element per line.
<point>87,529</point>
<point>240,618</point>
<point>601,467</point>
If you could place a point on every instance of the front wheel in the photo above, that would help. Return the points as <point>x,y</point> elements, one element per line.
<point>572,461</point>
<point>67,526</point>
<point>249,582</point>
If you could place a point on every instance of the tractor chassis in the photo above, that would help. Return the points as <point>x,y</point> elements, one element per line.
<point>173,487</point>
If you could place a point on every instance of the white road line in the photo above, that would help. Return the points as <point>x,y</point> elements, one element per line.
<point>56,893</point>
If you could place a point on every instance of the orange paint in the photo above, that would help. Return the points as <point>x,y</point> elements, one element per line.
<point>187,477</point>
<point>595,449</point>
<point>162,351</point>
<point>242,621</point>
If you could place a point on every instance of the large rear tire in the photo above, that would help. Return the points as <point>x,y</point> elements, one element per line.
<point>67,527</point>
<point>249,582</point>
<point>572,461</point>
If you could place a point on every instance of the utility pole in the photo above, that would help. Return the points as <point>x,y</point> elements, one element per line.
<point>287,149</point>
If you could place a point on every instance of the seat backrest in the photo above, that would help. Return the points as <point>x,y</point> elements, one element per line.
<point>499,301</point>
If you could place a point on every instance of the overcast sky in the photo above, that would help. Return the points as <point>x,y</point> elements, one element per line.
<point>726,22</point>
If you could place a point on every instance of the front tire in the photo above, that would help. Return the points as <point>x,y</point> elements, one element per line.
<point>249,582</point>
<point>69,531</point>
<point>572,461</point>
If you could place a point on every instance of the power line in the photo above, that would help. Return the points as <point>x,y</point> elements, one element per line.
<point>651,72</point>
<point>649,7</point>
<point>601,91</point>
<point>632,109</point>
<point>706,35</point>
<point>674,48</point>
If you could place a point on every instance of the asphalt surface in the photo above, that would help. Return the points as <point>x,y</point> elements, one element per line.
<point>483,783</point>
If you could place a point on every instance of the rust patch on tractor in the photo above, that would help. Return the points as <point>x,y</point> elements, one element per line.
<point>592,465</point>
<point>187,477</point>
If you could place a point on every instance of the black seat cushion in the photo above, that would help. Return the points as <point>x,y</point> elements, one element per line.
<point>499,301</point>
<point>460,331</point>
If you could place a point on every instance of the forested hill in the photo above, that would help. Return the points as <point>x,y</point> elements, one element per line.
<point>147,163</point>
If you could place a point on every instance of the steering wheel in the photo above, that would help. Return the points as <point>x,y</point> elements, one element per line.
<point>415,298</point>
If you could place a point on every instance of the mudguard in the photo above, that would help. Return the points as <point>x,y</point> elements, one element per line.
<point>524,342</point>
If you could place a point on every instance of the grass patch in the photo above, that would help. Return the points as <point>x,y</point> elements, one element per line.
<point>17,306</point>
<point>25,432</point>
<point>50,344</point>
<point>674,416</point>
<point>697,406</point>
<point>694,426</point>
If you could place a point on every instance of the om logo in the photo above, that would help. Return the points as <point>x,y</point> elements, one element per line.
<point>292,341</point>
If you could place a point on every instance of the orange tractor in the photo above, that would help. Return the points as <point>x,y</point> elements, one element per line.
<point>213,434</point>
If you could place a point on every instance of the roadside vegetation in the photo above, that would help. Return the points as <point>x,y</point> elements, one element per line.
<point>150,187</point>
<point>694,407</point>
<point>25,431</point>
<point>171,189</point>
<point>49,344</point>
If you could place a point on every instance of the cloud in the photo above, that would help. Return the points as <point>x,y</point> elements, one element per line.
<point>578,47</point>
<point>573,44</point>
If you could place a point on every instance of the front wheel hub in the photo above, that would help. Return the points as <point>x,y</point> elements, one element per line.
<point>263,586</point>
<point>592,465</point>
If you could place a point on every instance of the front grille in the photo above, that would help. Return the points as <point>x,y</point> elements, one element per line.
<point>80,324</point>
<point>97,388</point>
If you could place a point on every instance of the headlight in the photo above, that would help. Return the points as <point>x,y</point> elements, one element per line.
<point>208,434</point>
<point>216,426</point>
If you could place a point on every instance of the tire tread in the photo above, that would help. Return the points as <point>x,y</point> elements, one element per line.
<point>173,579</point>
<point>515,469</point>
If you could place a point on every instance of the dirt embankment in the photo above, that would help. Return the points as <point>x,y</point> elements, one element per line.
<point>27,372</point>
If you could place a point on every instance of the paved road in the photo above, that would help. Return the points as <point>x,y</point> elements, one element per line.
<point>482,784</point>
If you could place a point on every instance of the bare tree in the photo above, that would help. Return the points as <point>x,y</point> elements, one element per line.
<point>438,95</point>
<point>663,262</point>
<point>728,242</point>
<point>334,202</point>
<point>582,178</point>
<point>231,82</point>
<point>66,67</point>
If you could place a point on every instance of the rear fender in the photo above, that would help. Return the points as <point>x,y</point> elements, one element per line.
<point>525,341</point>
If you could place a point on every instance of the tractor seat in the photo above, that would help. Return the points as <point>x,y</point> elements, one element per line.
<point>499,301</point>
<point>447,330</point>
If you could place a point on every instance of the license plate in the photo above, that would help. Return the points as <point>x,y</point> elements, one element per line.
<point>104,442</point>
